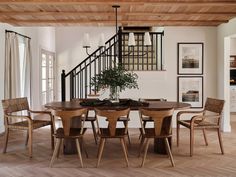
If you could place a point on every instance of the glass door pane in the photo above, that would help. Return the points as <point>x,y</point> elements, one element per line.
<point>47,77</point>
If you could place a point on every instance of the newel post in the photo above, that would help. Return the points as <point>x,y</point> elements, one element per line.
<point>120,46</point>
<point>63,86</point>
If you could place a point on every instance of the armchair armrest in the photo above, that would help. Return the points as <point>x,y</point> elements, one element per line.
<point>40,112</point>
<point>17,116</point>
<point>202,117</point>
<point>187,112</point>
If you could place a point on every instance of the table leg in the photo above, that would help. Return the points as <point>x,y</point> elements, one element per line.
<point>69,144</point>
<point>159,145</point>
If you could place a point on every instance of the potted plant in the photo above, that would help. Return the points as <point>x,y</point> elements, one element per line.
<point>116,79</point>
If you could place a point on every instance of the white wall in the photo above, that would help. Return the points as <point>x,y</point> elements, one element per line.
<point>154,84</point>
<point>43,37</point>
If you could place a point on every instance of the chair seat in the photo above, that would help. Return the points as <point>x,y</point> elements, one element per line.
<point>105,133</point>
<point>198,124</point>
<point>24,124</point>
<point>90,119</point>
<point>150,133</point>
<point>147,119</point>
<point>123,119</point>
<point>74,133</point>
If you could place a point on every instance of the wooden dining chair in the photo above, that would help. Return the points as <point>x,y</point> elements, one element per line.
<point>146,119</point>
<point>161,129</point>
<point>67,132</point>
<point>89,118</point>
<point>111,130</point>
<point>18,116</point>
<point>208,118</point>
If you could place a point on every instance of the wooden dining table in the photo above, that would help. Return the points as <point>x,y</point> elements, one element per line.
<point>159,145</point>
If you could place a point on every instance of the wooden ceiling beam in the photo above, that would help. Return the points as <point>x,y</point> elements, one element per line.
<point>85,13</point>
<point>121,2</point>
<point>111,22</point>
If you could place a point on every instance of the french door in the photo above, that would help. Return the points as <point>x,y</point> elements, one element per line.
<point>47,76</point>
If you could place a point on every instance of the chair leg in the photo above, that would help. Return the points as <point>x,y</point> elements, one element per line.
<point>126,147</point>
<point>177,133</point>
<point>122,140</point>
<point>205,137</point>
<point>169,152</point>
<point>100,150</point>
<point>141,146</point>
<point>27,138</point>
<point>140,136</point>
<point>83,146</point>
<point>94,132</point>
<point>5,140</point>
<point>145,152</point>
<point>61,143</point>
<point>220,141</point>
<point>125,122</point>
<point>30,142</point>
<point>79,152</point>
<point>191,141</point>
<point>52,137</point>
<point>55,152</point>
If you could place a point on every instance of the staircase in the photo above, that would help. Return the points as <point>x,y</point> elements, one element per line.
<point>77,82</point>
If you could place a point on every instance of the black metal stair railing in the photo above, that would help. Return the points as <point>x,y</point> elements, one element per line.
<point>77,82</point>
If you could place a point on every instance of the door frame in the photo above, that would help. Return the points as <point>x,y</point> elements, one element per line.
<point>43,50</point>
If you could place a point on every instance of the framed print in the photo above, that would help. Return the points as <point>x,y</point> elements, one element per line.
<point>190,58</point>
<point>190,90</point>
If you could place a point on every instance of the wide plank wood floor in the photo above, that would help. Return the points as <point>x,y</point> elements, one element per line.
<point>207,160</point>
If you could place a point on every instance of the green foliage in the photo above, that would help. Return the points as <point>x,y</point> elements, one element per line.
<point>115,77</point>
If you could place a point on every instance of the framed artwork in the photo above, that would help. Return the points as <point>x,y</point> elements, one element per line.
<point>190,90</point>
<point>190,58</point>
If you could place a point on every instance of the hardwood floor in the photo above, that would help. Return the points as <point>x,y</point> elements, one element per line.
<point>207,160</point>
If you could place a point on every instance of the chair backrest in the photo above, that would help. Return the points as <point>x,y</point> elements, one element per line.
<point>67,115</point>
<point>214,105</point>
<point>112,117</point>
<point>15,105</point>
<point>161,118</point>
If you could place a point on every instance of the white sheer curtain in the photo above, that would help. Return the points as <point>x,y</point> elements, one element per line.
<point>12,67</point>
<point>17,66</point>
<point>26,70</point>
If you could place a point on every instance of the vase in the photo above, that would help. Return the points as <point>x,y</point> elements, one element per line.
<point>114,94</point>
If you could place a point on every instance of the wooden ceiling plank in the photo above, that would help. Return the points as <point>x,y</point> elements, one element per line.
<point>86,13</point>
<point>112,21</point>
<point>144,2</point>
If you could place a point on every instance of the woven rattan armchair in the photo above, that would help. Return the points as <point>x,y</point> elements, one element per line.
<point>18,116</point>
<point>208,118</point>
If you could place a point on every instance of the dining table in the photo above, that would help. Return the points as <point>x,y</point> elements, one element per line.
<point>91,104</point>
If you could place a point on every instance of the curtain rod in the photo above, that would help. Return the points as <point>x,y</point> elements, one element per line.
<point>7,31</point>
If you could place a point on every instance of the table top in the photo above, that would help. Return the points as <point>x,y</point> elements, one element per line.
<point>70,105</point>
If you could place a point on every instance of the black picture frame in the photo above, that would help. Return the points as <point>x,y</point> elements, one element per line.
<point>190,58</point>
<point>190,90</point>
